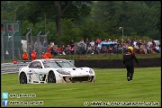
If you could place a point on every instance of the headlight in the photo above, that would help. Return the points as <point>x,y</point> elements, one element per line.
<point>91,71</point>
<point>63,72</point>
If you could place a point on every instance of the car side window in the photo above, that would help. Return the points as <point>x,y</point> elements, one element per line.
<point>31,65</point>
<point>39,65</point>
<point>34,65</point>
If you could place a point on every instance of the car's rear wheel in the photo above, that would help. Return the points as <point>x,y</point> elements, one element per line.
<point>23,78</point>
<point>51,77</point>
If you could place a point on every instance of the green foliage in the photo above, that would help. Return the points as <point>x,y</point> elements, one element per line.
<point>146,38</point>
<point>26,26</point>
<point>134,16</point>
<point>71,31</point>
<point>51,27</point>
<point>92,19</point>
<point>91,30</point>
<point>78,10</point>
<point>6,16</point>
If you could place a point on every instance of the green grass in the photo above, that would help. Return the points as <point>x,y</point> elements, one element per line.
<point>110,86</point>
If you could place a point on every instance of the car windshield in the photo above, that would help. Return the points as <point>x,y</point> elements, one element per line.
<point>57,64</point>
<point>65,64</point>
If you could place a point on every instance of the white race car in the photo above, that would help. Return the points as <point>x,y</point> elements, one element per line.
<point>54,71</point>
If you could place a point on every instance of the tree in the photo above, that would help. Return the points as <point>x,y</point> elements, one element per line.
<point>60,9</point>
<point>55,10</point>
<point>137,17</point>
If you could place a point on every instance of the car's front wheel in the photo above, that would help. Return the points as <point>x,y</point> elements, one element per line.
<point>51,77</point>
<point>23,78</point>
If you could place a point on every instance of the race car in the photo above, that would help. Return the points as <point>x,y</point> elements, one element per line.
<point>54,71</point>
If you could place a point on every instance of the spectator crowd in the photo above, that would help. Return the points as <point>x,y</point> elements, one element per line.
<point>98,46</point>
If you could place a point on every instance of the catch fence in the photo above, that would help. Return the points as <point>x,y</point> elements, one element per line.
<point>13,45</point>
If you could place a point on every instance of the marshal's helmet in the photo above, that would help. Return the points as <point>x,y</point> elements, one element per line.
<point>130,48</point>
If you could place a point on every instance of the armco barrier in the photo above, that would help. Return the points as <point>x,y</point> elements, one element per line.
<point>7,68</point>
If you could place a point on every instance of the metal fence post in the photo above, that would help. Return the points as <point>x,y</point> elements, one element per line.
<point>2,47</point>
<point>39,49</point>
<point>46,35</point>
<point>39,33</point>
<point>13,48</point>
<point>27,39</point>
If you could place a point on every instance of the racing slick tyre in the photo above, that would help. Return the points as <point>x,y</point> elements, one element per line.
<point>51,77</point>
<point>23,78</point>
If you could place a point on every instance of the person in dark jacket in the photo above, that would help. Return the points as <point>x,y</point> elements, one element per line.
<point>128,61</point>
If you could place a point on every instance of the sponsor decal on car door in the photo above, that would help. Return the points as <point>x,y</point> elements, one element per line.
<point>34,72</point>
